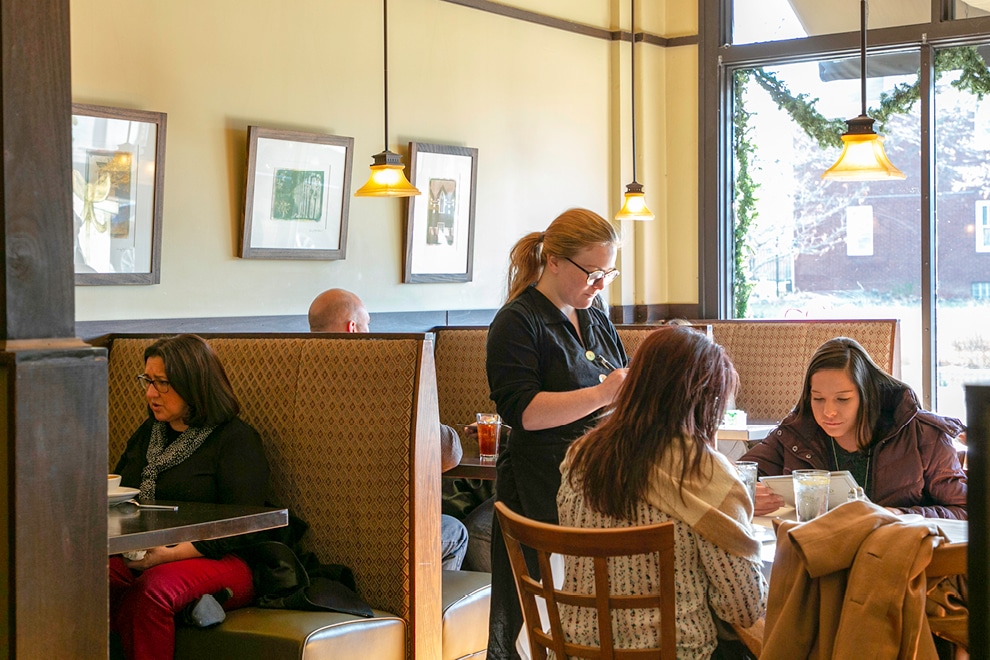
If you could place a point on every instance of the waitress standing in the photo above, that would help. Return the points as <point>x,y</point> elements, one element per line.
<point>554,363</point>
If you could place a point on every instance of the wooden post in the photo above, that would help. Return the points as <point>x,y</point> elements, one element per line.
<point>53,395</point>
<point>978,507</point>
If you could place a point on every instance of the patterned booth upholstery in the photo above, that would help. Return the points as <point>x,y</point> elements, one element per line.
<point>350,429</point>
<point>770,356</point>
<point>462,384</point>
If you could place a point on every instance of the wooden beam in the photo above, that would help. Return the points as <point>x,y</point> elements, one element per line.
<point>53,396</point>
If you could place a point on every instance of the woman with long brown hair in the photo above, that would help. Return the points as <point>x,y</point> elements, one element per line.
<point>854,416</point>
<point>653,460</point>
<point>554,364</point>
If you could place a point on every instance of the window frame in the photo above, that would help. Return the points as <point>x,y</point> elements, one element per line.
<point>717,61</point>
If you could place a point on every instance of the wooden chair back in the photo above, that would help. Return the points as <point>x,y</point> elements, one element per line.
<point>949,559</point>
<point>598,544</point>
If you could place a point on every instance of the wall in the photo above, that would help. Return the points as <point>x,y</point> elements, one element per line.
<point>544,107</point>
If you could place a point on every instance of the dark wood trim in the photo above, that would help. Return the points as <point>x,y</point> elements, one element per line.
<point>978,506</point>
<point>926,87</point>
<point>677,42</point>
<point>572,26</point>
<point>710,239</point>
<point>381,322</point>
<point>53,392</point>
<point>533,17</point>
<point>627,314</point>
<point>424,564</point>
<point>36,237</point>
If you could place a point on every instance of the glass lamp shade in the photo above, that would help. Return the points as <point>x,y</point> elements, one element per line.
<point>634,207</point>
<point>863,157</point>
<point>387,178</point>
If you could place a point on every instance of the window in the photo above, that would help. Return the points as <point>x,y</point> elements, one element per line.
<point>981,290</point>
<point>792,246</point>
<point>982,226</point>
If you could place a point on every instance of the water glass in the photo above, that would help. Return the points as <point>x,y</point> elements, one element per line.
<point>748,472</point>
<point>810,493</point>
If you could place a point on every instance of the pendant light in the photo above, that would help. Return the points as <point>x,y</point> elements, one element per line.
<point>387,176</point>
<point>863,157</point>
<point>634,207</point>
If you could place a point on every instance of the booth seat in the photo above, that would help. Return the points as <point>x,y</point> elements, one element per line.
<point>770,356</point>
<point>349,424</point>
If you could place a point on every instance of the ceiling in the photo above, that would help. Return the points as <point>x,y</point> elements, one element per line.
<point>819,17</point>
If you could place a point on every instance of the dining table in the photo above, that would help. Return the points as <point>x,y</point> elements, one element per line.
<point>954,531</point>
<point>130,527</point>
<point>731,441</point>
<point>473,467</point>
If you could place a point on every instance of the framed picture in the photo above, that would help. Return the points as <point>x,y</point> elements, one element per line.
<point>297,195</point>
<point>440,221</point>
<point>118,175</point>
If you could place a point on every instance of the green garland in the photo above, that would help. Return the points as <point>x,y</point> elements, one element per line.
<point>974,78</point>
<point>745,198</point>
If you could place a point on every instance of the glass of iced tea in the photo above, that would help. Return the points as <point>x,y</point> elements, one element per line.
<point>489,430</point>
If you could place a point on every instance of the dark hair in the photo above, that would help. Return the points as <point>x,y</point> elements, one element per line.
<point>194,371</point>
<point>872,383</point>
<point>675,394</point>
<point>569,233</point>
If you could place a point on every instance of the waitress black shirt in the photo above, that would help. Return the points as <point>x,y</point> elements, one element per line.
<point>533,348</point>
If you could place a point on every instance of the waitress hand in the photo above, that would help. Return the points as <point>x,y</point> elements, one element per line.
<point>612,383</point>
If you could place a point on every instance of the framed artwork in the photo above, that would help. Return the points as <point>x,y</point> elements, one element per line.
<point>297,195</point>
<point>118,175</point>
<point>440,221</point>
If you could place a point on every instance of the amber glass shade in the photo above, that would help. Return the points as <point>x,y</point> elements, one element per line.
<point>634,207</point>
<point>863,158</point>
<point>387,178</point>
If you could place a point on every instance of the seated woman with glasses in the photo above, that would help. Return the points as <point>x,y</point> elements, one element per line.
<point>653,460</point>
<point>191,448</point>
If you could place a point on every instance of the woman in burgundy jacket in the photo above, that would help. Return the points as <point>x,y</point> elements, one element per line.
<point>854,416</point>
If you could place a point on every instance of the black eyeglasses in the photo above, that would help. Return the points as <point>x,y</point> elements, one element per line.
<point>594,275</point>
<point>161,385</point>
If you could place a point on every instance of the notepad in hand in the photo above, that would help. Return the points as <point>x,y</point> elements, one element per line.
<point>840,484</point>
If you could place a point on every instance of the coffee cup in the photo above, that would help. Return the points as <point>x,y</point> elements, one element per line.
<point>113,482</point>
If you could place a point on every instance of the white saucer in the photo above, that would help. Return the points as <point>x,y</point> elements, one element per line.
<point>121,494</point>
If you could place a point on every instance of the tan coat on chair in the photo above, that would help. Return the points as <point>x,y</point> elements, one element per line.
<point>850,584</point>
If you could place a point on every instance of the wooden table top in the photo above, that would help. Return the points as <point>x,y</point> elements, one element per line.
<point>473,467</point>
<point>130,528</point>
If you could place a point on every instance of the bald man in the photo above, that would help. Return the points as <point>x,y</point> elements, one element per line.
<point>339,310</point>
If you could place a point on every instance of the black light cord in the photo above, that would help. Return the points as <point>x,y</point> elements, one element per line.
<point>385,39</point>
<point>862,51</point>
<point>632,70</point>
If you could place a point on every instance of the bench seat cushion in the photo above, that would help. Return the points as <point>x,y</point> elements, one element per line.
<point>254,633</point>
<point>466,597</point>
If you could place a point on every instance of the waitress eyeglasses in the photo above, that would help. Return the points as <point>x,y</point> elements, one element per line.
<point>606,276</point>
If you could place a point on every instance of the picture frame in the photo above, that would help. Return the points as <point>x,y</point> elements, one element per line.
<point>297,195</point>
<point>118,181</point>
<point>440,221</point>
